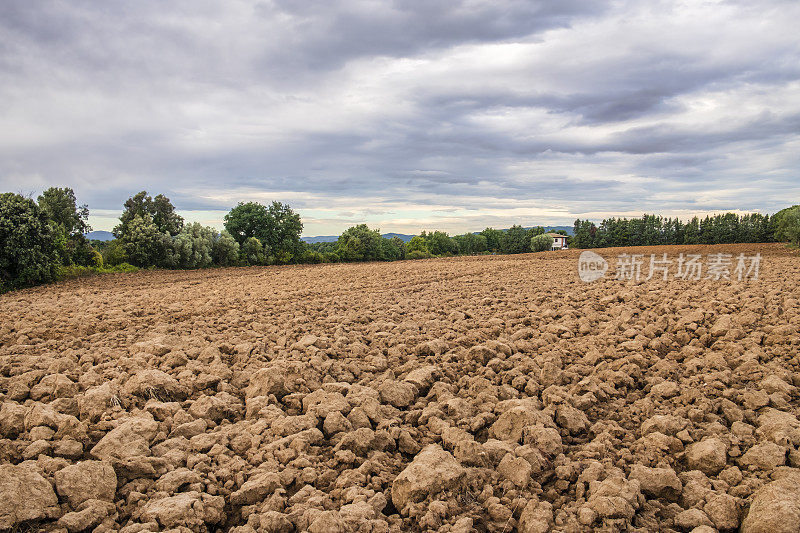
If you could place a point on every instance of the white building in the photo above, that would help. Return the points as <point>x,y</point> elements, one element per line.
<point>559,241</point>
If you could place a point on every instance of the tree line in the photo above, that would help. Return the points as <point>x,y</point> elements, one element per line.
<point>724,228</point>
<point>45,239</point>
<point>360,243</point>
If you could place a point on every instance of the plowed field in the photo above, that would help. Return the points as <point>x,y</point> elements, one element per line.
<point>494,393</point>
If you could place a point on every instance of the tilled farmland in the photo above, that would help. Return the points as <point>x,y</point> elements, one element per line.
<point>495,393</point>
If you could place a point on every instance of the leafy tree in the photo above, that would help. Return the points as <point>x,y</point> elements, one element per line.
<point>393,249</point>
<point>69,224</point>
<point>283,231</point>
<point>494,239</point>
<point>144,244</point>
<point>417,244</point>
<point>159,210</point>
<point>225,250</point>
<point>359,243</point>
<point>470,243</point>
<point>27,255</point>
<point>541,243</point>
<point>788,225</point>
<point>253,251</point>
<point>276,226</point>
<point>246,220</point>
<point>192,247</point>
<point>439,243</point>
<point>539,230</point>
<point>516,240</point>
<point>61,207</point>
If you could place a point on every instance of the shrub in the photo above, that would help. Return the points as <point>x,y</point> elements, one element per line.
<point>191,248</point>
<point>114,253</point>
<point>122,267</point>
<point>417,254</point>
<point>281,258</point>
<point>74,271</point>
<point>27,252</point>
<point>541,243</point>
<point>225,250</point>
<point>313,257</point>
<point>77,271</point>
<point>96,259</point>
<point>253,251</point>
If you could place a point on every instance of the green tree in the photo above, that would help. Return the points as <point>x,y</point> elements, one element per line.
<point>359,243</point>
<point>225,250</point>
<point>439,243</point>
<point>417,244</point>
<point>283,231</point>
<point>27,255</point>
<point>246,220</point>
<point>516,240</point>
<point>541,243</point>
<point>69,224</point>
<point>494,239</point>
<point>277,227</point>
<point>114,253</point>
<point>470,243</point>
<point>144,244</point>
<point>61,207</point>
<point>394,249</point>
<point>192,247</point>
<point>158,210</point>
<point>788,225</point>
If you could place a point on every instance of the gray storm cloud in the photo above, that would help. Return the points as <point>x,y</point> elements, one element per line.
<point>406,115</point>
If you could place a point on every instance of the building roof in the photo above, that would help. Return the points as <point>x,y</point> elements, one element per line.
<point>554,235</point>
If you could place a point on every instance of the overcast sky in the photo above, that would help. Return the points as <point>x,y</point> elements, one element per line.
<point>407,115</point>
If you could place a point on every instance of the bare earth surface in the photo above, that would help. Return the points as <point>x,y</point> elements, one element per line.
<point>452,395</point>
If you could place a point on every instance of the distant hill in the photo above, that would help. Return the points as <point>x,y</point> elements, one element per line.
<point>100,235</point>
<point>568,229</point>
<point>403,236</point>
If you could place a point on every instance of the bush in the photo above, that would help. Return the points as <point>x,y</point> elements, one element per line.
<point>191,248</point>
<point>122,267</point>
<point>418,254</point>
<point>253,251</point>
<point>96,260</point>
<point>27,252</point>
<point>77,271</point>
<point>74,271</point>
<point>144,244</point>
<point>541,243</point>
<point>313,258</point>
<point>114,253</point>
<point>225,250</point>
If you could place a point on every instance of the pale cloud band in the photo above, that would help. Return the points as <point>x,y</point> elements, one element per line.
<point>406,115</point>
